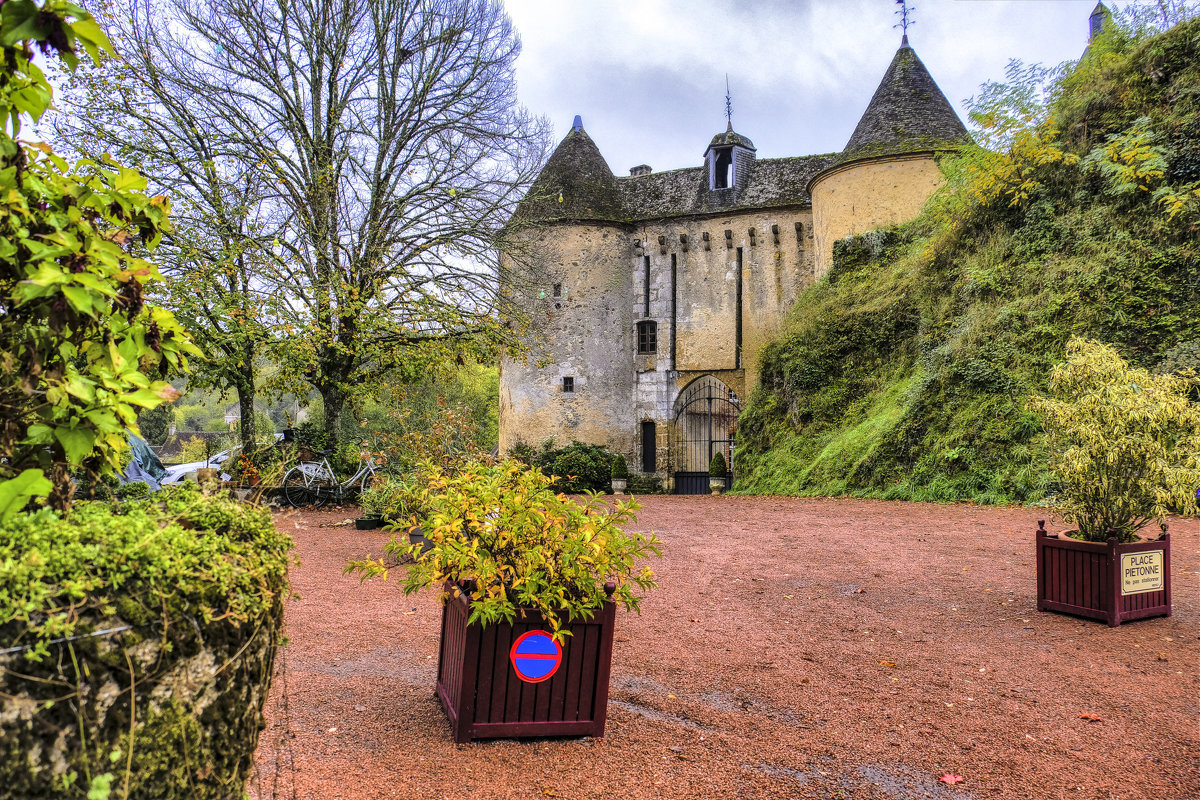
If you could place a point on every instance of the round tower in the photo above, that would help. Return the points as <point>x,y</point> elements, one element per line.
<point>887,170</point>
<point>571,253</point>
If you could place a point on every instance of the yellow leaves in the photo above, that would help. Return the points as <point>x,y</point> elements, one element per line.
<point>1124,444</point>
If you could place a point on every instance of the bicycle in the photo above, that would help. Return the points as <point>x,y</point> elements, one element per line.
<point>313,483</point>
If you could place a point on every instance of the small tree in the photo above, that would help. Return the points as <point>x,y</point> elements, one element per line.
<point>1124,443</point>
<point>77,342</point>
<point>620,470</point>
<point>717,467</point>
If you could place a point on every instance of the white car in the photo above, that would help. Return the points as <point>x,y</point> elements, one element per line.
<point>178,473</point>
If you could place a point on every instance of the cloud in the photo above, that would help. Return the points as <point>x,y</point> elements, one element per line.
<point>648,76</point>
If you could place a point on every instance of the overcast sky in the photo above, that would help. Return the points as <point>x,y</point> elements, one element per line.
<point>648,76</point>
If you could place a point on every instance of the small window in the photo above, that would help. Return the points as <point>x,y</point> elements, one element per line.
<point>722,177</point>
<point>568,383</point>
<point>647,336</point>
<point>558,290</point>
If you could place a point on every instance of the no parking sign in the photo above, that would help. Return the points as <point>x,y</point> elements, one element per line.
<point>535,656</point>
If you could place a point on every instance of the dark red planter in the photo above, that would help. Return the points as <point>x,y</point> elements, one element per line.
<point>484,698</point>
<point>1099,580</point>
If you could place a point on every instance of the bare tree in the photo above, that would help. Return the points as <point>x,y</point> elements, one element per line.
<point>354,160</point>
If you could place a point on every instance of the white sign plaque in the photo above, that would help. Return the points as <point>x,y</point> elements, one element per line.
<point>1141,572</point>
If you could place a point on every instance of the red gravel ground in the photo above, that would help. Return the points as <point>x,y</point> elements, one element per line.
<point>796,648</point>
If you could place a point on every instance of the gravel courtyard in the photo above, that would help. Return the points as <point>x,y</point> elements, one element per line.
<point>796,648</point>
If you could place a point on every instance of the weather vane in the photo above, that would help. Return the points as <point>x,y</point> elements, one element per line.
<point>728,103</point>
<point>904,20</point>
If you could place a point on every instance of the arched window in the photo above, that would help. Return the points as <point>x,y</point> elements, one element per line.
<point>647,337</point>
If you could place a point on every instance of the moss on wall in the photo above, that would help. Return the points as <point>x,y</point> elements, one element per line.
<point>146,637</point>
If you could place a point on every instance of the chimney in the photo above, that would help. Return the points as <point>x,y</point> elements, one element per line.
<point>640,169</point>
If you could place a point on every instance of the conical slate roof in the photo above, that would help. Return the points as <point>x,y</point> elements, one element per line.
<point>907,114</point>
<point>575,184</point>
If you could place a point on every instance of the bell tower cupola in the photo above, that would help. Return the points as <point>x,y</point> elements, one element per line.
<point>729,158</point>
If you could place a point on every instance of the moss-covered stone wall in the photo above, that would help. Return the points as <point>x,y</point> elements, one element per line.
<point>139,645</point>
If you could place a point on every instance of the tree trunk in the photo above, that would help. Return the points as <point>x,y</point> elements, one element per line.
<point>246,395</point>
<point>334,399</point>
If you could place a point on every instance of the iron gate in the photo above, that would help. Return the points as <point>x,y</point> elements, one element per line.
<point>706,414</point>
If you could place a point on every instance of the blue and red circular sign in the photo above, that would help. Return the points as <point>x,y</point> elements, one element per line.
<point>535,656</point>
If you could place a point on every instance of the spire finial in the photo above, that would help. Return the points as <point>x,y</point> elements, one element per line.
<point>904,12</point>
<point>728,105</point>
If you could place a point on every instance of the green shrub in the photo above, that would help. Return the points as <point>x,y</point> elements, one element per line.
<point>1124,444</point>
<point>175,602</point>
<point>620,470</point>
<point>716,467</point>
<point>134,490</point>
<point>525,546</point>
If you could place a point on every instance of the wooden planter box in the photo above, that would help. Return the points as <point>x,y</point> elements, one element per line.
<point>1106,581</point>
<point>484,698</point>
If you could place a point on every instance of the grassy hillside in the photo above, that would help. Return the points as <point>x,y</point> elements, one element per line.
<point>906,372</point>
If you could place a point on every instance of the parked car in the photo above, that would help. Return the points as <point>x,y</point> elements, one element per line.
<point>177,473</point>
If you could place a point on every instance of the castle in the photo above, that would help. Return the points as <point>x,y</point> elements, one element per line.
<point>660,289</point>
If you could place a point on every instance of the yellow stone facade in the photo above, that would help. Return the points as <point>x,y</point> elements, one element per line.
<point>864,195</point>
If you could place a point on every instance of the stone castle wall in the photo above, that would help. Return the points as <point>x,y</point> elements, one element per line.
<point>865,195</point>
<point>585,333</point>
<point>590,332</point>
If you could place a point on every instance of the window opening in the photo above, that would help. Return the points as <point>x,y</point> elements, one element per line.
<point>646,288</point>
<point>647,336</point>
<point>723,169</point>
<point>568,383</point>
<point>674,308</point>
<point>558,290</point>
<point>738,348</point>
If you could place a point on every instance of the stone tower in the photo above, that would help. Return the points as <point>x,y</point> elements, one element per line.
<point>887,170</point>
<point>579,247</point>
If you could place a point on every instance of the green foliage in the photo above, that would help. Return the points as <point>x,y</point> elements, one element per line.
<point>620,470</point>
<point>906,373</point>
<point>134,490</point>
<point>576,468</point>
<point>448,415</point>
<point>150,632</point>
<point>62,577</point>
<point>154,423</point>
<point>1124,444</point>
<point>524,545</point>
<point>77,342</point>
<point>717,467</point>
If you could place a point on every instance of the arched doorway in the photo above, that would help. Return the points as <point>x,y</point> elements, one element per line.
<point>705,422</point>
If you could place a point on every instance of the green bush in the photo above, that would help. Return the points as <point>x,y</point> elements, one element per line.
<point>717,467</point>
<point>525,546</point>
<point>578,467</point>
<point>175,602</point>
<point>134,490</point>
<point>620,470</point>
<point>1124,444</point>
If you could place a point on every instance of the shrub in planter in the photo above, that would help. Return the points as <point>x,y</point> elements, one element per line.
<point>139,646</point>
<point>716,473</point>
<point>1124,444</point>
<point>620,474</point>
<point>716,467</point>
<point>620,469</point>
<point>514,555</point>
<point>1125,448</point>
